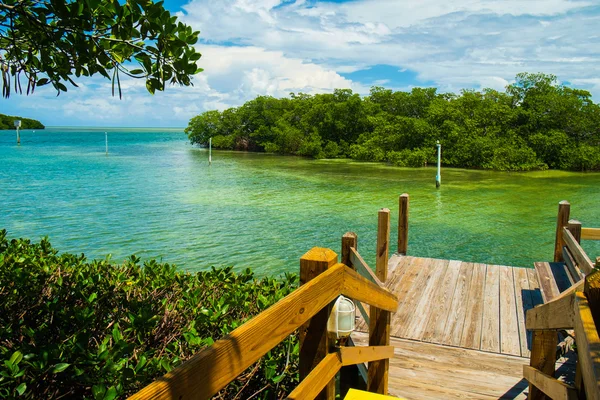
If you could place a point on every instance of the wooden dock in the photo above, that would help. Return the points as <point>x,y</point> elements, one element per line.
<point>470,305</point>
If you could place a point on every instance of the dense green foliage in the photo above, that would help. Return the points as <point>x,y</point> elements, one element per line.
<point>78,329</point>
<point>51,41</point>
<point>535,124</point>
<point>8,122</point>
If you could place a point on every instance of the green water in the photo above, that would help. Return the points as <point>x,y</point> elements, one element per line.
<point>156,196</point>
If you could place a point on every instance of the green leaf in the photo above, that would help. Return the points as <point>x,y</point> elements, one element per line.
<point>60,367</point>
<point>21,388</point>
<point>98,392</point>
<point>16,358</point>
<point>110,394</point>
<point>92,297</point>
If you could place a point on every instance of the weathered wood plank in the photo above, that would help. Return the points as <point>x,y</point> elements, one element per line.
<point>363,354</point>
<point>571,264</point>
<point>361,289</point>
<point>421,370</point>
<point>552,387</point>
<point>548,286</point>
<point>318,379</point>
<point>557,314</point>
<point>534,287</point>
<point>411,317</point>
<point>583,261</point>
<point>543,357</point>
<point>523,298</point>
<point>590,233</point>
<point>471,334</point>
<point>509,323</point>
<point>562,220</point>
<point>434,331</point>
<point>458,309</point>
<point>490,330</point>
<point>401,288</point>
<point>383,244</point>
<point>588,346</point>
<point>403,223</point>
<point>359,264</point>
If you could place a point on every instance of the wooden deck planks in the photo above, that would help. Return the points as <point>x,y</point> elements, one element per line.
<point>458,309</point>
<point>434,331</point>
<point>415,327</point>
<point>469,305</point>
<point>490,330</point>
<point>509,324</point>
<point>471,334</point>
<point>523,303</point>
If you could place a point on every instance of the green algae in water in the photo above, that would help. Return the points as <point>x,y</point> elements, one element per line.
<point>155,196</point>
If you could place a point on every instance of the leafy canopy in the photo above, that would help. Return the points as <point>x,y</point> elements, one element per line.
<point>48,41</point>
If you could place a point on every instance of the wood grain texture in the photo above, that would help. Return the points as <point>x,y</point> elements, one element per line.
<point>358,288</point>
<point>552,387</point>
<point>583,261</point>
<point>543,356</point>
<point>588,346</point>
<point>408,320</point>
<point>318,379</point>
<point>490,330</point>
<point>571,265</point>
<point>349,240</point>
<point>557,314</point>
<point>212,368</point>
<point>509,324</point>
<point>383,244</point>
<point>434,331</point>
<point>458,308</point>
<point>359,264</point>
<point>562,219</point>
<point>574,227</point>
<point>471,334</point>
<point>313,337</point>
<point>546,280</point>
<point>403,223</point>
<point>590,233</point>
<point>416,321</point>
<point>363,354</point>
<point>524,304</point>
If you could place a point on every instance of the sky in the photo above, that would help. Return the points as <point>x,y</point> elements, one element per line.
<point>274,47</point>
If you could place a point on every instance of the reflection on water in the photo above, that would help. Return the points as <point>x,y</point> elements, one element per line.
<point>156,196</point>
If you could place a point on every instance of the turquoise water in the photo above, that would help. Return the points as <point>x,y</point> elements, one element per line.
<point>156,196</point>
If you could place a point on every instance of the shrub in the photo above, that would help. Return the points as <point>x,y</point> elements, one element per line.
<point>75,328</point>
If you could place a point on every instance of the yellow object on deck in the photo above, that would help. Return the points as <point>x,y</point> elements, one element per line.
<point>354,394</point>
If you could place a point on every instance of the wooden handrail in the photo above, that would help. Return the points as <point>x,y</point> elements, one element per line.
<point>588,346</point>
<point>214,367</point>
<point>552,387</point>
<point>556,314</point>
<point>322,374</point>
<point>583,261</point>
<point>590,233</point>
<point>359,264</point>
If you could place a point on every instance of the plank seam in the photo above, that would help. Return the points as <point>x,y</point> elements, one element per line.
<point>482,310</point>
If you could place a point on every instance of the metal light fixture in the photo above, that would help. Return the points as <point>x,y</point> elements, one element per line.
<point>341,321</point>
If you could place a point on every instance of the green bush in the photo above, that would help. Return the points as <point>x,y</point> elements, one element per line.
<point>75,328</point>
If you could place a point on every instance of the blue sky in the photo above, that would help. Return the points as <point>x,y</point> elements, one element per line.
<point>273,47</point>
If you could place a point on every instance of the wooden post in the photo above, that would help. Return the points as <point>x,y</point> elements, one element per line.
<point>543,358</point>
<point>383,243</point>
<point>574,227</point>
<point>379,324</point>
<point>314,341</point>
<point>350,239</point>
<point>403,224</point>
<point>349,374</point>
<point>564,209</point>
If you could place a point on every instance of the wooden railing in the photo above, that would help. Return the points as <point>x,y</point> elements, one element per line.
<point>322,280</point>
<point>578,309</point>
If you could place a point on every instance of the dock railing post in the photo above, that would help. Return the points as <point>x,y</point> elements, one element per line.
<point>379,324</point>
<point>403,224</point>
<point>574,227</point>
<point>562,220</point>
<point>314,341</point>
